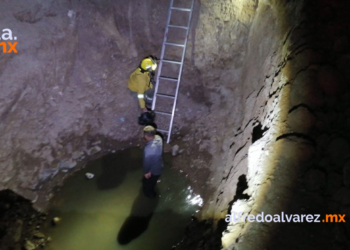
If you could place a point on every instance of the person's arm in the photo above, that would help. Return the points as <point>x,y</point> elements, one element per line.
<point>147,161</point>
<point>140,96</point>
<point>141,88</point>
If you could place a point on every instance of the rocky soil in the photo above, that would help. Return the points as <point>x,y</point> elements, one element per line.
<point>20,224</point>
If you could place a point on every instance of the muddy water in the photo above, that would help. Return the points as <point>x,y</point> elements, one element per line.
<point>109,212</point>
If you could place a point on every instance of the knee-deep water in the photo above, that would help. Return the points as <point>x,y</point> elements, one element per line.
<point>109,212</point>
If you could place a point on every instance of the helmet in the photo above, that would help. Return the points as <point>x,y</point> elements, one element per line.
<point>148,64</point>
<point>149,128</point>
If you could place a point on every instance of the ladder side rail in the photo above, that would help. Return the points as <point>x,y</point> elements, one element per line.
<point>180,74</point>
<point>162,55</point>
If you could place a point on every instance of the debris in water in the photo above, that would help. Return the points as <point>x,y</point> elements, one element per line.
<point>89,175</point>
<point>55,221</point>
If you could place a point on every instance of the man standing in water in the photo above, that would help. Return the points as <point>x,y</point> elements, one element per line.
<point>152,161</point>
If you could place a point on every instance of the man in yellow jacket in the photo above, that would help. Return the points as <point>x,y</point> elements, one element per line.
<point>140,81</point>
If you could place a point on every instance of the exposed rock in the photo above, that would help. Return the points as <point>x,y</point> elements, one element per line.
<point>76,155</point>
<point>17,223</point>
<point>18,231</point>
<point>301,120</point>
<point>56,221</point>
<point>28,245</point>
<point>68,164</point>
<point>39,235</point>
<point>175,150</point>
<point>94,150</point>
<point>45,174</point>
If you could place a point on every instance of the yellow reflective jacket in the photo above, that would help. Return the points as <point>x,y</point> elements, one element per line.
<point>140,82</point>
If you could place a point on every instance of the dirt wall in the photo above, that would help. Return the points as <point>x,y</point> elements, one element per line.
<point>289,150</point>
<point>63,94</point>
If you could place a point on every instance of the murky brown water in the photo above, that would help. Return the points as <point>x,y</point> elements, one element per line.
<point>109,212</point>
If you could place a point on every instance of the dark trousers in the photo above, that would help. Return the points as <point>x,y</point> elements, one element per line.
<point>149,94</point>
<point>148,186</point>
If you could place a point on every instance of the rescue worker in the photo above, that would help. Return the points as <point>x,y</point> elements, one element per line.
<point>140,81</point>
<point>152,160</point>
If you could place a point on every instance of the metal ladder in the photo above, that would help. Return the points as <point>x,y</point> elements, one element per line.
<point>175,80</point>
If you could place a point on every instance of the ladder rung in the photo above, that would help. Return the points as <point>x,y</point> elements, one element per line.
<point>169,61</point>
<point>182,9</point>
<point>162,77</point>
<point>175,44</point>
<point>163,131</point>
<point>162,113</point>
<point>168,78</point>
<point>167,96</point>
<point>176,26</point>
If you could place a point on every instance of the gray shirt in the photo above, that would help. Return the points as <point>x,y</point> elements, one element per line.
<point>152,156</point>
